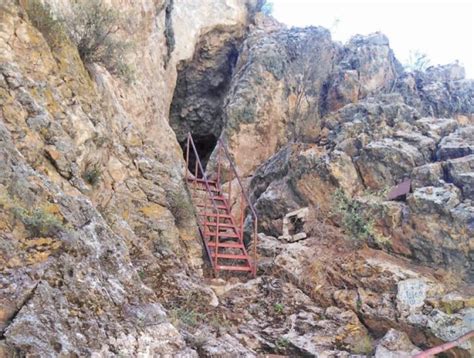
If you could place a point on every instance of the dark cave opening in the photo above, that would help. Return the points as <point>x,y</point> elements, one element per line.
<point>204,147</point>
<point>199,96</point>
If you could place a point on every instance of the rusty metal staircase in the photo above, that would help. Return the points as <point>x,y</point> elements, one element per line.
<point>221,231</point>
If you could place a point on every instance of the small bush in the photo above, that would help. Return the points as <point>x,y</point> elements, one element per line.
<point>192,309</point>
<point>92,28</point>
<point>44,20</point>
<point>39,222</point>
<point>282,344</point>
<point>188,317</point>
<point>92,175</point>
<point>417,61</point>
<point>278,308</point>
<point>352,219</point>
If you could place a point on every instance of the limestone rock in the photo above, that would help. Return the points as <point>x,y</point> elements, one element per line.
<point>387,161</point>
<point>225,346</point>
<point>396,344</point>
<point>439,91</point>
<point>94,215</point>
<point>461,173</point>
<point>435,199</point>
<point>430,174</point>
<point>458,144</point>
<point>99,248</point>
<point>368,65</point>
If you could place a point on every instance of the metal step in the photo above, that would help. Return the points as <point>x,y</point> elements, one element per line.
<point>203,188</point>
<point>201,180</point>
<point>223,225</point>
<point>211,206</point>
<point>225,244</point>
<point>213,215</point>
<point>219,198</point>
<point>234,268</point>
<point>222,234</point>
<point>201,185</point>
<point>230,256</point>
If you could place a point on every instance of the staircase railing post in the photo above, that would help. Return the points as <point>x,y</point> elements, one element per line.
<point>255,243</point>
<point>242,217</point>
<point>217,240</point>
<point>187,159</point>
<point>230,193</point>
<point>203,222</point>
<point>195,173</point>
<point>219,147</point>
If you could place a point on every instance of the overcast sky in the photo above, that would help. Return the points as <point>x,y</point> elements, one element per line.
<point>444,30</point>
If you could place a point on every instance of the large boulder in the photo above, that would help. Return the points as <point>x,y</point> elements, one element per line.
<point>387,162</point>
<point>265,103</point>
<point>461,172</point>
<point>457,144</point>
<point>367,65</point>
<point>440,91</point>
<point>395,344</point>
<point>298,176</point>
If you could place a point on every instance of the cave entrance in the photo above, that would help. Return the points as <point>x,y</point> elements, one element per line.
<point>204,146</point>
<point>201,87</point>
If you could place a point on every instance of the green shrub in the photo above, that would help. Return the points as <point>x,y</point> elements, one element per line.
<point>185,316</point>
<point>92,175</point>
<point>353,222</point>
<point>44,20</point>
<point>417,61</point>
<point>278,308</point>
<point>191,310</point>
<point>282,344</point>
<point>39,222</point>
<point>93,27</point>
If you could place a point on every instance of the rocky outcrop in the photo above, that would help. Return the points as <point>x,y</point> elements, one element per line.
<point>69,285</point>
<point>96,225</point>
<point>386,293</point>
<point>293,93</point>
<point>396,344</point>
<point>439,92</point>
<point>99,252</point>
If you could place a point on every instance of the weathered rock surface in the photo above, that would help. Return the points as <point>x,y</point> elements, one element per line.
<point>96,227</point>
<point>71,287</point>
<point>99,252</point>
<point>287,321</point>
<point>385,293</point>
<point>395,344</point>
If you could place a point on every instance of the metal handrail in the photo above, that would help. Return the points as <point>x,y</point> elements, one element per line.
<point>446,346</point>
<point>226,152</point>
<point>206,182</point>
<point>249,204</point>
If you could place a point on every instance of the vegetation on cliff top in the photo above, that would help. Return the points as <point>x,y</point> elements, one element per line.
<point>92,27</point>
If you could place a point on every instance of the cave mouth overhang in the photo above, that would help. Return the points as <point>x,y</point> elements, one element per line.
<point>201,88</point>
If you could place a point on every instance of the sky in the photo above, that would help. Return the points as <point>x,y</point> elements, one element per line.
<point>442,29</point>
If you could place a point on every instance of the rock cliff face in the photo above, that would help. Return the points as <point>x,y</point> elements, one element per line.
<point>94,210</point>
<point>99,249</point>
